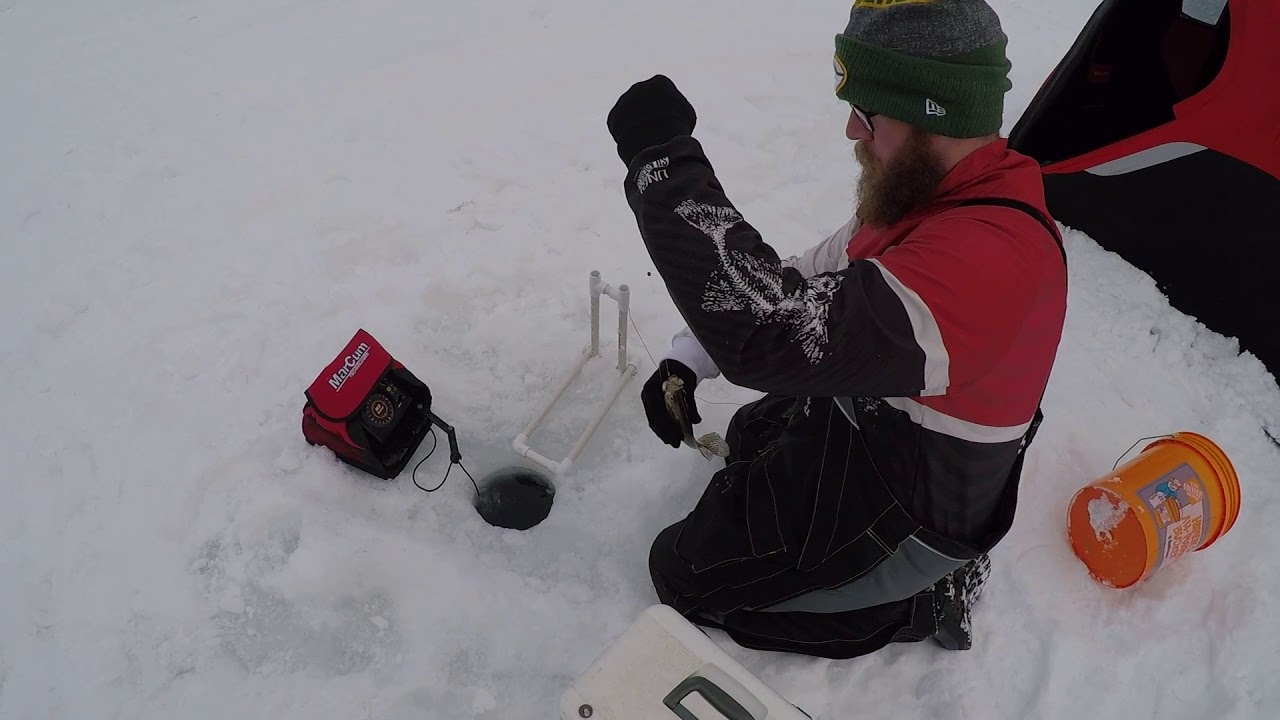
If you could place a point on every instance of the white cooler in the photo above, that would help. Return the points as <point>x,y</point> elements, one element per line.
<point>665,668</point>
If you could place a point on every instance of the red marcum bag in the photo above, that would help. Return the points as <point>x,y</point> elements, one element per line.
<point>368,409</point>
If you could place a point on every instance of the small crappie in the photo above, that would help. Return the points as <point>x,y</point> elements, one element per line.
<point>710,445</point>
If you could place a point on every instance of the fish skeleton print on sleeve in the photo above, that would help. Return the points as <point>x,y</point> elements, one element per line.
<point>874,328</point>
<point>829,255</point>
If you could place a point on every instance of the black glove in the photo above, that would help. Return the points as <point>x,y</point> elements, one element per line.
<point>655,405</point>
<point>649,113</point>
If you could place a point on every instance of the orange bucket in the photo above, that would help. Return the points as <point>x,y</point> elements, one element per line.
<point>1178,496</point>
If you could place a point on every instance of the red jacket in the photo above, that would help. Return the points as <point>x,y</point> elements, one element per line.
<point>986,288</point>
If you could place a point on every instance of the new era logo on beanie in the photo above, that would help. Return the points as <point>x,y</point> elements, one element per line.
<point>936,64</point>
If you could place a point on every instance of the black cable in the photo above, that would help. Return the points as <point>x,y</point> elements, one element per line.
<point>435,442</point>
<point>464,470</point>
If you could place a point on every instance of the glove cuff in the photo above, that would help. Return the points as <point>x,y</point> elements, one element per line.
<point>686,350</point>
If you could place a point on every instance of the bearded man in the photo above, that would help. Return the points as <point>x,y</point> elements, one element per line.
<point>903,358</point>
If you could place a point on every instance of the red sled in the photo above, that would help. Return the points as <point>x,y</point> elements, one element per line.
<point>368,409</point>
<point>1158,135</point>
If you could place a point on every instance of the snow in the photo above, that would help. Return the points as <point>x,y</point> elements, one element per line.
<point>202,200</point>
<point>1105,515</point>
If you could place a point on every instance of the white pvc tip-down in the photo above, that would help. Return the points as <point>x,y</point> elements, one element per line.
<point>626,371</point>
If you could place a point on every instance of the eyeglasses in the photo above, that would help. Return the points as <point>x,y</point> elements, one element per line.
<point>864,117</point>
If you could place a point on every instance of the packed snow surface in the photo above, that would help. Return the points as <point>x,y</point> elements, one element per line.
<point>201,201</point>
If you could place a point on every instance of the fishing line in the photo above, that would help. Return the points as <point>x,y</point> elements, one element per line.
<point>655,364</point>
<point>642,342</point>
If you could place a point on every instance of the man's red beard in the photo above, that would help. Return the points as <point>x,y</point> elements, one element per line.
<point>888,193</point>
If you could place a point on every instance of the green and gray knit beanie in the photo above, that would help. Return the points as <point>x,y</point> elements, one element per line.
<point>939,65</point>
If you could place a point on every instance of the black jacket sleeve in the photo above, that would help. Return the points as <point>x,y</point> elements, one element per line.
<point>766,326</point>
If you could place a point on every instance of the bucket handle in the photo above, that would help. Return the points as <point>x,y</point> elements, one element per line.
<point>1131,447</point>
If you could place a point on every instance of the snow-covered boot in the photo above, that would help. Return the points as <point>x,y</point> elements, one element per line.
<point>954,597</point>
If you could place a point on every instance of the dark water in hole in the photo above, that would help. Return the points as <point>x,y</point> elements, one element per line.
<point>516,498</point>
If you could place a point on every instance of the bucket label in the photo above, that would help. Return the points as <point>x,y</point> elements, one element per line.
<point>1178,504</point>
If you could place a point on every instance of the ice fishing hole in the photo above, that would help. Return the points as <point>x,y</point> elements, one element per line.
<point>515,497</point>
